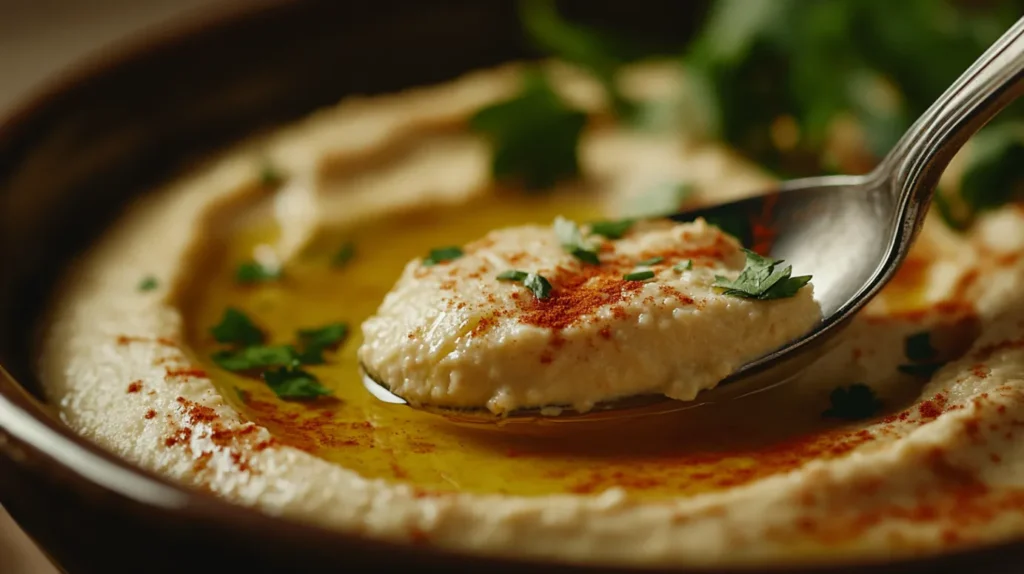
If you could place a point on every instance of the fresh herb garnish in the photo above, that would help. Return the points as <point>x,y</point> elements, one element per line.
<point>236,328</point>
<point>540,286</point>
<point>148,283</point>
<point>270,176</point>
<point>918,347</point>
<point>292,383</point>
<point>344,254</point>
<point>317,340</point>
<point>651,261</point>
<point>854,402</point>
<point>256,357</point>
<point>572,240</point>
<point>920,370</point>
<point>534,136</point>
<point>614,229</point>
<point>442,254</point>
<point>253,272</point>
<point>683,266</point>
<point>762,279</point>
<point>659,201</point>
<point>639,276</point>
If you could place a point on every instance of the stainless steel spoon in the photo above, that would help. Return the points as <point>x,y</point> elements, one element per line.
<point>850,232</point>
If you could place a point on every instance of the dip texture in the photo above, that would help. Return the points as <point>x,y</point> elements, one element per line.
<point>642,317</point>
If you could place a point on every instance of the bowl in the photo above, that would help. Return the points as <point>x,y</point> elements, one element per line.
<point>73,155</point>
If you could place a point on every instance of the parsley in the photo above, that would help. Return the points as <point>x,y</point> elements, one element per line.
<point>991,176</point>
<point>683,266</point>
<point>252,272</point>
<point>762,279</point>
<point>344,254</point>
<point>920,370</point>
<point>256,357</point>
<point>148,283</point>
<point>851,403</point>
<point>612,229</point>
<point>639,276</point>
<point>918,347</point>
<point>651,261</point>
<point>236,328</point>
<point>534,135</point>
<point>540,286</point>
<point>512,275</point>
<point>317,340</point>
<point>270,176</point>
<point>572,240</point>
<point>442,254</point>
<point>660,201</point>
<point>292,383</point>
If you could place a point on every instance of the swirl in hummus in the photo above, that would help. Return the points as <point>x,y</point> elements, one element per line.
<point>795,474</point>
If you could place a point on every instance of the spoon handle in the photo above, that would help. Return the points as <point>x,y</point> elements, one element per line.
<point>912,169</point>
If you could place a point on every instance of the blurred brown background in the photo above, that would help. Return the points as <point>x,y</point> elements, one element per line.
<point>39,39</point>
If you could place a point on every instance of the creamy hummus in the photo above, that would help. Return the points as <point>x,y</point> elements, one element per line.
<point>767,479</point>
<point>643,318</point>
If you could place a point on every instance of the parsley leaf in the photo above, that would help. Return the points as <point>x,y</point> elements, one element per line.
<point>614,229</point>
<point>762,279</point>
<point>255,357</point>
<point>292,383</point>
<point>253,272</point>
<point>442,254</point>
<point>651,261</point>
<point>236,328</point>
<point>639,276</point>
<point>540,286</point>
<point>317,340</point>
<point>270,176</point>
<point>659,201</point>
<point>683,266</point>
<point>918,347</point>
<point>148,283</point>
<point>851,403</point>
<point>344,254</point>
<point>534,135</point>
<point>572,240</point>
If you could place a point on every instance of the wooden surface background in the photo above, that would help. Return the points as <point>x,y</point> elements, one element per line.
<point>38,39</point>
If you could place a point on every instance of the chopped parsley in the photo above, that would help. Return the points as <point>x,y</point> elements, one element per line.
<point>651,261</point>
<point>236,328</point>
<point>613,229</point>
<point>270,176</point>
<point>317,340</point>
<point>683,266</point>
<point>256,357</point>
<point>292,383</point>
<point>918,347</point>
<point>148,283</point>
<point>762,279</point>
<point>344,254</point>
<point>253,272</point>
<point>639,276</point>
<point>534,136</point>
<point>540,286</point>
<point>442,254</point>
<point>572,240</point>
<point>854,402</point>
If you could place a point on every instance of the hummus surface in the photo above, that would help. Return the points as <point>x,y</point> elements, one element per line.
<point>766,479</point>
<point>453,335</point>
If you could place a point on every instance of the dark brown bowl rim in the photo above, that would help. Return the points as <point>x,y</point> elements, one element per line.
<point>45,439</point>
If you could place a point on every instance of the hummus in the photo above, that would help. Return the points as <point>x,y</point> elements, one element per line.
<point>643,318</point>
<point>781,477</point>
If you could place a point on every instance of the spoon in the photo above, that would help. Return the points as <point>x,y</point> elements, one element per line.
<point>849,232</point>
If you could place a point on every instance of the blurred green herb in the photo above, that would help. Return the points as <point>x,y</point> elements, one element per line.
<point>250,272</point>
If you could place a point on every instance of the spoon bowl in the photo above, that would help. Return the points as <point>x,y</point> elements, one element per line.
<point>850,233</point>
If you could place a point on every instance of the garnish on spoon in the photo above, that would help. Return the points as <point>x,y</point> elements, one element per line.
<point>612,229</point>
<point>572,240</point>
<point>762,279</point>
<point>540,286</point>
<point>442,254</point>
<point>254,272</point>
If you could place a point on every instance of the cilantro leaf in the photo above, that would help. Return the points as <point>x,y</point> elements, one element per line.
<point>613,229</point>
<point>534,135</point>
<point>148,283</point>
<point>442,254</point>
<point>762,279</point>
<point>292,383</point>
<point>253,272</point>
<point>255,357</point>
<point>572,240</point>
<point>344,254</point>
<point>854,402</point>
<point>317,340</point>
<point>236,328</point>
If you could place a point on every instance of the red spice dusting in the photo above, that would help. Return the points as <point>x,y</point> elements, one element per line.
<point>398,471</point>
<point>128,339</point>
<point>181,436</point>
<point>187,372</point>
<point>995,458</point>
<point>150,414</point>
<point>135,386</point>
<point>932,408</point>
<point>418,536</point>
<point>762,231</point>
<point>988,350</point>
<point>605,332</point>
<point>202,462</point>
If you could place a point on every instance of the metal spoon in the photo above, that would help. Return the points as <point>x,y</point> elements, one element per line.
<point>850,232</point>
